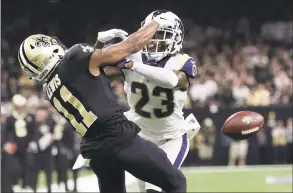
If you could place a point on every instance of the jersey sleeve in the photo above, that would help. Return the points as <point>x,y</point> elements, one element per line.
<point>189,66</point>
<point>81,52</point>
<point>77,59</point>
<point>136,58</point>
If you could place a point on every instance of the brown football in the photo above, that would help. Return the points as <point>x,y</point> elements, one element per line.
<point>243,124</point>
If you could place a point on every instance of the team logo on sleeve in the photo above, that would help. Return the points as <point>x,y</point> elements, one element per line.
<point>194,70</point>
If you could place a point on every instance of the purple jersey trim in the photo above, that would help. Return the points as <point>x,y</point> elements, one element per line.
<point>160,64</point>
<point>189,68</point>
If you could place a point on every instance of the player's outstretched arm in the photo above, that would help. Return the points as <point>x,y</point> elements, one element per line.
<point>132,44</point>
<point>165,77</point>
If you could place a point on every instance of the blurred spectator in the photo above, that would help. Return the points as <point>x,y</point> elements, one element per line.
<point>289,134</point>
<point>279,143</point>
<point>262,141</point>
<point>206,88</point>
<point>261,72</point>
<point>44,139</point>
<point>7,151</point>
<point>259,96</point>
<point>206,141</point>
<point>271,121</point>
<point>240,92</point>
<point>76,152</point>
<point>20,129</point>
<point>238,152</point>
<point>279,31</point>
<point>225,95</point>
<point>63,150</point>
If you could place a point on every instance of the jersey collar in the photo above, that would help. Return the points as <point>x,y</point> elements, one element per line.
<point>160,63</point>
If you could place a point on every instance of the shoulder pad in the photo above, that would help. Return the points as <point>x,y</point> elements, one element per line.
<point>188,65</point>
<point>83,47</point>
<point>80,51</point>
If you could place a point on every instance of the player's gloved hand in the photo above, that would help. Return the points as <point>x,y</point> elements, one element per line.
<point>110,34</point>
<point>164,20</point>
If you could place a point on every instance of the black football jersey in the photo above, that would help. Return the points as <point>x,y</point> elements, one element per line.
<point>86,101</point>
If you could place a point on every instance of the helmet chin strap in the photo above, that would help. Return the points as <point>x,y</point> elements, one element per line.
<point>157,58</point>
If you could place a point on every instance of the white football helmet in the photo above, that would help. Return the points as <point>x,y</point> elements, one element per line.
<point>167,41</point>
<point>39,55</point>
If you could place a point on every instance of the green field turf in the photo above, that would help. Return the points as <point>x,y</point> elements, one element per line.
<point>249,179</point>
<point>225,179</point>
<point>245,179</point>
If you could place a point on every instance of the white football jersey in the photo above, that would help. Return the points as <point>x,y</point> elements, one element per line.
<point>157,110</point>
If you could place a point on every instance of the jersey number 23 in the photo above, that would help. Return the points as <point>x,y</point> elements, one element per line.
<point>167,104</point>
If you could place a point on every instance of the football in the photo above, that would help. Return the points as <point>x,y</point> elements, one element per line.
<point>243,124</point>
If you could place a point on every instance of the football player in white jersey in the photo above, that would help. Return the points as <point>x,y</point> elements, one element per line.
<point>156,83</point>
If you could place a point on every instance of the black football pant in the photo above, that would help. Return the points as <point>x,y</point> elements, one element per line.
<point>142,159</point>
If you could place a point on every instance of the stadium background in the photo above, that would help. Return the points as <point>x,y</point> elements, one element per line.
<point>244,54</point>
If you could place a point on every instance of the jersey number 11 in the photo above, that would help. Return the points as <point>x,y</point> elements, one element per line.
<point>88,117</point>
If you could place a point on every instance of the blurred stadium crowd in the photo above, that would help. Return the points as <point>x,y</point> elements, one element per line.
<point>237,67</point>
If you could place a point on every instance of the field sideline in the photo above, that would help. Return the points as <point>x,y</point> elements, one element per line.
<point>269,178</point>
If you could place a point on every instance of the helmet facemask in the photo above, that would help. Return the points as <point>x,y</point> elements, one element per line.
<point>160,45</point>
<point>166,41</point>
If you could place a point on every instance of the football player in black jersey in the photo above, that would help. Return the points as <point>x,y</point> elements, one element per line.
<point>77,87</point>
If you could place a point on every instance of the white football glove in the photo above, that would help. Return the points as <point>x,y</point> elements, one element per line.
<point>111,34</point>
<point>164,20</point>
